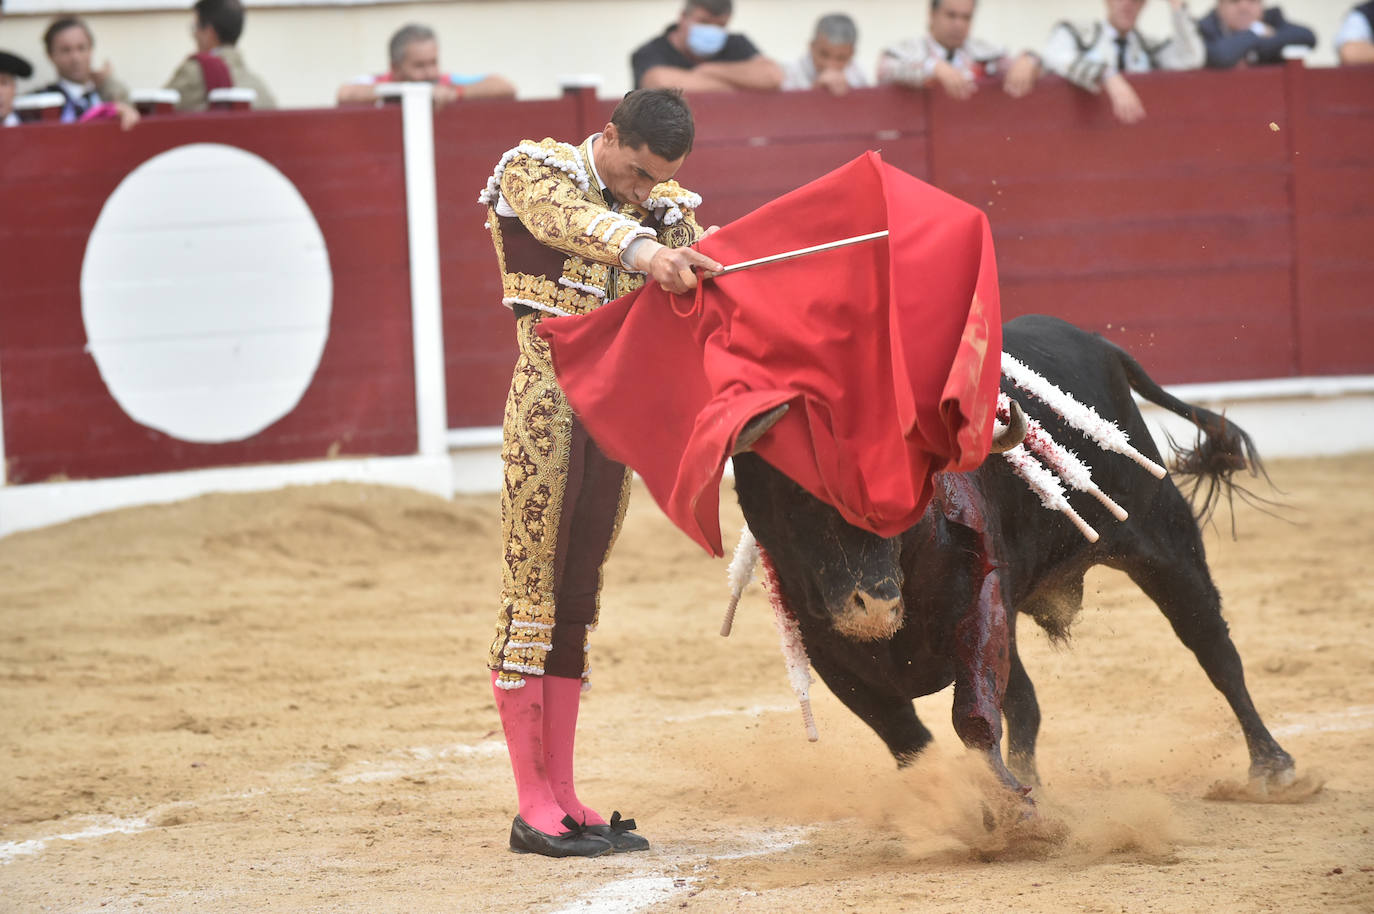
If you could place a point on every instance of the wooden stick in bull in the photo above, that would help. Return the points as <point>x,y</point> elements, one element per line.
<point>741,573</point>
<point>1079,415</point>
<point>793,649</point>
<point>1061,460</point>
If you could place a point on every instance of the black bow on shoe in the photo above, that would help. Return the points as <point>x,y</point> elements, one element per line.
<point>618,833</point>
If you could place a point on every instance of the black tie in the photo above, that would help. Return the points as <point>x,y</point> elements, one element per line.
<point>1121,53</point>
<point>611,201</point>
<point>949,54</point>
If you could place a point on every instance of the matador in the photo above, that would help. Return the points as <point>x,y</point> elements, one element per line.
<point>573,227</point>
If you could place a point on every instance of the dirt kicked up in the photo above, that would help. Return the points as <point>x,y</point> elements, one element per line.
<point>279,702</point>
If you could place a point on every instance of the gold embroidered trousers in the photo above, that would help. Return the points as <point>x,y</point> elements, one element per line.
<point>562,503</point>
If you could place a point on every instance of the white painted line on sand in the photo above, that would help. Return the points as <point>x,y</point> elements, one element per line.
<point>106,825</point>
<point>753,711</point>
<point>626,896</point>
<point>1353,718</point>
<point>643,888</point>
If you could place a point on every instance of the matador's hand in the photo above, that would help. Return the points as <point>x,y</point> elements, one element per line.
<point>673,268</point>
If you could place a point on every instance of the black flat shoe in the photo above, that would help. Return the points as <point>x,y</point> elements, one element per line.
<point>575,842</point>
<point>618,833</point>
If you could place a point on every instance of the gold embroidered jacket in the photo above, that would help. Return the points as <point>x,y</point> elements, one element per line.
<point>557,244</point>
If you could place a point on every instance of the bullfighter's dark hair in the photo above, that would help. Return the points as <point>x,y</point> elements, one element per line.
<point>224,16</point>
<point>61,25</point>
<point>657,117</point>
<point>714,7</point>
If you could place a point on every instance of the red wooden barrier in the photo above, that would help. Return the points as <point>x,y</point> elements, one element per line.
<point>1224,238</point>
<point>60,421</point>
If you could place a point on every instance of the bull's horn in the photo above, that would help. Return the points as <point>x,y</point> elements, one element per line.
<point>1013,434</point>
<point>754,429</point>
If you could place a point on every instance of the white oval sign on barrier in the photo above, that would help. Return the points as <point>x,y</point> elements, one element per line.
<point>206,292</point>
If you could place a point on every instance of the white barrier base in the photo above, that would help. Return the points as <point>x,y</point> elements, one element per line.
<point>24,507</point>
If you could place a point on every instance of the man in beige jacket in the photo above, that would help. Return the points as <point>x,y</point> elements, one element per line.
<point>217,62</point>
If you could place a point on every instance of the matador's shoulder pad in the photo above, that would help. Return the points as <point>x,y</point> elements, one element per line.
<point>548,152</point>
<point>668,200</point>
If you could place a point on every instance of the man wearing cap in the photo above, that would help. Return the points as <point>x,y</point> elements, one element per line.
<point>12,69</point>
<point>573,228</point>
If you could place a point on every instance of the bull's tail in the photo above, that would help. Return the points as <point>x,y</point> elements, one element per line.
<point>1221,450</point>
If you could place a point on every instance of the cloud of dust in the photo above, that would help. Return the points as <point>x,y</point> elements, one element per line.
<point>944,800</point>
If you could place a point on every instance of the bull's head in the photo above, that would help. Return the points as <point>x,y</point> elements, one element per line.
<point>828,569</point>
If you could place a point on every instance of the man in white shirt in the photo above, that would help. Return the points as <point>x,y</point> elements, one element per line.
<point>948,55</point>
<point>1096,56</point>
<point>829,61</point>
<point>12,69</point>
<point>69,44</point>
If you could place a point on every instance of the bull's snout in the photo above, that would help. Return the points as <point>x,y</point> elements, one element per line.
<point>872,613</point>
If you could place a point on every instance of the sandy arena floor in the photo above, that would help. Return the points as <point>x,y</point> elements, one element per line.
<point>279,702</point>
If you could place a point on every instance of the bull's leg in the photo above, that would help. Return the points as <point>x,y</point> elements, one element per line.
<point>982,665</point>
<point>1022,711</point>
<point>891,716</point>
<point>1182,588</point>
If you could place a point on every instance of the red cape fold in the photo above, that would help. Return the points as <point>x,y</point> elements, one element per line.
<point>889,353</point>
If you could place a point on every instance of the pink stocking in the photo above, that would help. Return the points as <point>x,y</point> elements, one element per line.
<point>522,719</point>
<point>561,697</point>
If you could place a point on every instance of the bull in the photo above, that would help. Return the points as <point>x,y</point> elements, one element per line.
<point>886,620</point>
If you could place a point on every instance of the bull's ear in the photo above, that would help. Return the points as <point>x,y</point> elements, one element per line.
<point>755,428</point>
<point>1013,434</point>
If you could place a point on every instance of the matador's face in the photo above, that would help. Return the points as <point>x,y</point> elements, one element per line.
<point>631,173</point>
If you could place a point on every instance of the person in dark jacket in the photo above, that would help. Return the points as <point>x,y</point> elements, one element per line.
<point>1241,32</point>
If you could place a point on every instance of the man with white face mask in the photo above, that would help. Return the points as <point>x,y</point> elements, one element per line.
<point>697,54</point>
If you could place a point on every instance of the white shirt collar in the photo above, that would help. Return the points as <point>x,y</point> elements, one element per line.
<point>76,90</point>
<point>591,159</point>
<point>11,120</point>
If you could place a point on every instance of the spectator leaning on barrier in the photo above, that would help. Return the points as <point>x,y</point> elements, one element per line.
<point>950,56</point>
<point>829,60</point>
<point>1097,56</point>
<point>69,43</point>
<point>414,55</point>
<point>12,69</point>
<point>697,54</point>
<point>217,63</point>
<point>1241,32</point>
<point>1355,40</point>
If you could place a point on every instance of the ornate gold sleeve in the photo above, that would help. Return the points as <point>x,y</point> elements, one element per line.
<point>558,213</point>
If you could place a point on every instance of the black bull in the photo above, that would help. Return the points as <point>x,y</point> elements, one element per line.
<point>888,620</point>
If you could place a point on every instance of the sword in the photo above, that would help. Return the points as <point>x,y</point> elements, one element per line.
<point>801,252</point>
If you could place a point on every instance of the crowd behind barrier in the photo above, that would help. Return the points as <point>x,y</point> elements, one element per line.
<point>697,52</point>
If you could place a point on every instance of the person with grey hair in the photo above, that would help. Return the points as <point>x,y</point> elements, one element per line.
<point>414,55</point>
<point>829,60</point>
